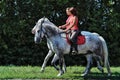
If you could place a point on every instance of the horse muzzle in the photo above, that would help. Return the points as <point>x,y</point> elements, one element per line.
<point>37,40</point>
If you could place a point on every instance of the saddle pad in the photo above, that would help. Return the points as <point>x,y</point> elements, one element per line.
<point>80,40</point>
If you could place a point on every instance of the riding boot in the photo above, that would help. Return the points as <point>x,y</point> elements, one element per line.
<point>74,48</point>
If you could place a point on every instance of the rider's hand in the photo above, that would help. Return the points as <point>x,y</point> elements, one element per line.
<point>60,26</point>
<point>64,31</point>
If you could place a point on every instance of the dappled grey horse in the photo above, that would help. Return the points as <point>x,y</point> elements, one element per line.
<point>94,43</point>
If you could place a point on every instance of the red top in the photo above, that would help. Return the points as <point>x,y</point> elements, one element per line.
<point>70,20</point>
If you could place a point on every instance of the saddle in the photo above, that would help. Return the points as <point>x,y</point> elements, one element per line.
<point>80,39</point>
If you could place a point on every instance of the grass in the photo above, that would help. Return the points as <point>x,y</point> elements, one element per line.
<point>73,72</point>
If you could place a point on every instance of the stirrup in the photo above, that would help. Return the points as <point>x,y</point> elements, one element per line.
<point>74,51</point>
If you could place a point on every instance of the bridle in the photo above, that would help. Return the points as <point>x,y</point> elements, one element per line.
<point>41,28</point>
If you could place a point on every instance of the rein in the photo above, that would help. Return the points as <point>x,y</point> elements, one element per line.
<point>44,32</point>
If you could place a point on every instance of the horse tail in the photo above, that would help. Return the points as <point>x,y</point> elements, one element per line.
<point>104,51</point>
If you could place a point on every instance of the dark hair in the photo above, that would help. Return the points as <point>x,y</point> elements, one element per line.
<point>73,11</point>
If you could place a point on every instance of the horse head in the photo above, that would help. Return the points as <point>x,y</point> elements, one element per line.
<point>38,30</point>
<point>44,28</point>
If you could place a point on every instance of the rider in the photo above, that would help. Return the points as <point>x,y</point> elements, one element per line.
<point>72,25</point>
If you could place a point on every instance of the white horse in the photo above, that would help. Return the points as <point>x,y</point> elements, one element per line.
<point>94,44</point>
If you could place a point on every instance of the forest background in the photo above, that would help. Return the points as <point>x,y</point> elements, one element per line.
<point>18,17</point>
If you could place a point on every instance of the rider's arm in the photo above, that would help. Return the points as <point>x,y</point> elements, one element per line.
<point>64,26</point>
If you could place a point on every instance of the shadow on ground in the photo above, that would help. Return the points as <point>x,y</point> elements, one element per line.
<point>98,76</point>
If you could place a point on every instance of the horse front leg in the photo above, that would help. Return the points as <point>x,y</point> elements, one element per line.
<point>88,67</point>
<point>46,60</point>
<point>55,58</point>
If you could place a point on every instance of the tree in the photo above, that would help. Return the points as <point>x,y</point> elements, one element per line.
<point>17,18</point>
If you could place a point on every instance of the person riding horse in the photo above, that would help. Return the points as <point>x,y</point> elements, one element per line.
<point>72,26</point>
<point>58,44</point>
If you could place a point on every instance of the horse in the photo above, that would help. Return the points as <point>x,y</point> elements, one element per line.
<point>94,44</point>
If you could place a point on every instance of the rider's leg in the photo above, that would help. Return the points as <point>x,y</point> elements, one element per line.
<point>73,39</point>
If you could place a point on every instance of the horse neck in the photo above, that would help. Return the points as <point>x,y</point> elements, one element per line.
<point>54,39</point>
<point>51,30</point>
<point>53,33</point>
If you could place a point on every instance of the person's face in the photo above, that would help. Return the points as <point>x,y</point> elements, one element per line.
<point>68,12</point>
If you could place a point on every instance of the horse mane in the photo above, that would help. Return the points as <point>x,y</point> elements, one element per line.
<point>50,27</point>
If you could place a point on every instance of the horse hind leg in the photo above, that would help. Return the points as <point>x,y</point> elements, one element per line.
<point>108,68</point>
<point>64,66</point>
<point>99,63</point>
<point>61,60</point>
<point>88,67</point>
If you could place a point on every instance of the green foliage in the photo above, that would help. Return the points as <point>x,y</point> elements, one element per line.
<point>18,17</point>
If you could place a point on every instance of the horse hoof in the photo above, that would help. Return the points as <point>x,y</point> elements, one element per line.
<point>64,70</point>
<point>58,75</point>
<point>84,74</point>
<point>61,73</point>
<point>101,69</point>
<point>41,70</point>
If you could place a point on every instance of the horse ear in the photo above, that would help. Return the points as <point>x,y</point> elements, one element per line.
<point>44,18</point>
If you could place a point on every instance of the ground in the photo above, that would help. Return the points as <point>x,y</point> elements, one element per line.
<point>73,72</point>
